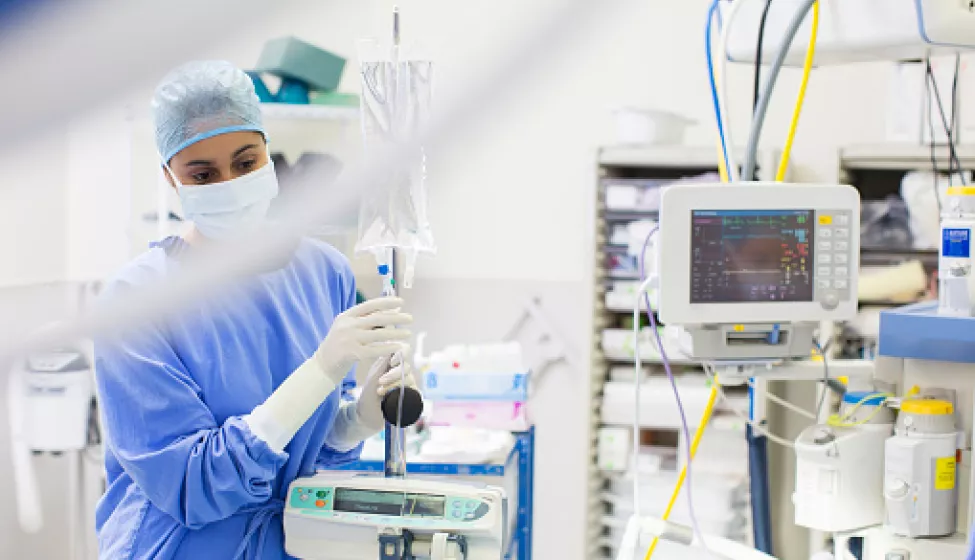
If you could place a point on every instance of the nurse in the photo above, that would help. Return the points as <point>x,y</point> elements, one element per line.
<point>209,416</point>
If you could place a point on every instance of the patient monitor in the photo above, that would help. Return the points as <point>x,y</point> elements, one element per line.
<point>748,270</point>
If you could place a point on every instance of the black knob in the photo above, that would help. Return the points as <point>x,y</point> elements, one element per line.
<point>412,406</point>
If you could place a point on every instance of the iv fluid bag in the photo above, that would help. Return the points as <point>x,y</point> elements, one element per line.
<point>396,98</point>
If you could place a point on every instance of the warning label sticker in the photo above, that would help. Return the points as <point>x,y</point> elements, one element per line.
<point>944,473</point>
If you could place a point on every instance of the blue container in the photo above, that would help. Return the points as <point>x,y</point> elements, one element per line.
<point>294,59</point>
<point>918,332</point>
<point>493,387</point>
<point>293,91</point>
<point>869,398</point>
<point>260,88</point>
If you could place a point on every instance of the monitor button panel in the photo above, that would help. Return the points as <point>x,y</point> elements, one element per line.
<point>834,257</point>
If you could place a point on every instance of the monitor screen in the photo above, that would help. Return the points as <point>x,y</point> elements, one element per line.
<point>751,256</point>
<point>388,503</point>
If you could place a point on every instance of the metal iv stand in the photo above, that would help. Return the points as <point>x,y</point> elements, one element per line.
<point>394,459</point>
<point>395,464</point>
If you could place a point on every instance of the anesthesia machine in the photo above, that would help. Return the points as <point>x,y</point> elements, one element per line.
<point>751,277</point>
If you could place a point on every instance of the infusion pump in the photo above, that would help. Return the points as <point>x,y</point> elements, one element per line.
<point>748,269</point>
<point>346,518</point>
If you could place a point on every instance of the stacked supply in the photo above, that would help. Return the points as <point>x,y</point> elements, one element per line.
<point>476,386</point>
<point>308,74</point>
<point>719,486</point>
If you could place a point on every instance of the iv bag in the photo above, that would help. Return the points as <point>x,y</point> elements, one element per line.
<point>396,98</point>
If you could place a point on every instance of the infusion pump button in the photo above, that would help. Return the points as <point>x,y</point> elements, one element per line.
<point>830,301</point>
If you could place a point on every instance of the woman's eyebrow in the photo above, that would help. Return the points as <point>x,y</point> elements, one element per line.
<point>198,162</point>
<point>243,149</point>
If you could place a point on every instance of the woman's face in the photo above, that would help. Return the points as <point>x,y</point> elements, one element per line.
<point>219,158</point>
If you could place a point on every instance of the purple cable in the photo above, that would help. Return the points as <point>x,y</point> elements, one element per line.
<point>673,385</point>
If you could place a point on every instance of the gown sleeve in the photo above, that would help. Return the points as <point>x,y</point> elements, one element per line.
<point>167,439</point>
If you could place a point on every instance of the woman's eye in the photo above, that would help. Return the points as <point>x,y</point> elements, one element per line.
<point>246,165</point>
<point>201,177</point>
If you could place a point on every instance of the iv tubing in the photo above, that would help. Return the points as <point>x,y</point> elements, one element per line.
<point>786,404</point>
<point>685,431</point>
<point>712,375</point>
<point>806,70</point>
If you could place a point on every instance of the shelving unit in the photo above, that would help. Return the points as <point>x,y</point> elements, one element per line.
<point>877,170</point>
<point>293,111</point>
<point>660,424</point>
<point>900,157</point>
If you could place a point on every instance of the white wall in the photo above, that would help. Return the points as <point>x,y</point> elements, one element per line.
<point>512,197</point>
<point>32,211</point>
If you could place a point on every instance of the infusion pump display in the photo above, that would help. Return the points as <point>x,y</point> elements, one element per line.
<point>757,252</point>
<point>352,502</point>
<point>389,503</point>
<point>769,255</point>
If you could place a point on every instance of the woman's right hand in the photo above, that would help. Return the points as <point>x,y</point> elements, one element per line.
<point>365,332</point>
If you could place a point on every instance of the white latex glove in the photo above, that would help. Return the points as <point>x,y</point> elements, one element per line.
<point>356,421</point>
<point>384,376</point>
<point>365,332</point>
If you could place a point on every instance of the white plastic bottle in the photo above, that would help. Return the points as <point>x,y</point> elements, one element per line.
<point>956,286</point>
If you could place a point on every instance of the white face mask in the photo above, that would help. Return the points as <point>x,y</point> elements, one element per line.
<point>228,209</point>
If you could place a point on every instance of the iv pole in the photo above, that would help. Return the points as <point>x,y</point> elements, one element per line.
<point>394,464</point>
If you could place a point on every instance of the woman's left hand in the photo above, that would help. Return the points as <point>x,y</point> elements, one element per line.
<point>386,374</point>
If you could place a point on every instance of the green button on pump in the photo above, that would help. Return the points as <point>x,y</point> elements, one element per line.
<point>322,494</point>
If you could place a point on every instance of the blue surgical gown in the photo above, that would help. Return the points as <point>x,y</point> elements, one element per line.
<point>186,476</point>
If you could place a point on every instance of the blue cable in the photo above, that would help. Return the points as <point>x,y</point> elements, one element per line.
<point>712,13</point>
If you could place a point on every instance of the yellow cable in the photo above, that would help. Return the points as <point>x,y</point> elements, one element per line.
<point>722,169</point>
<point>705,418</point>
<point>842,421</point>
<point>806,70</point>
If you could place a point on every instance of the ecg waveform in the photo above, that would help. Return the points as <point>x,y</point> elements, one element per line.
<point>761,256</point>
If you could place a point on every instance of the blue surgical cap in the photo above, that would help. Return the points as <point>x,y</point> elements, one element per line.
<point>200,100</point>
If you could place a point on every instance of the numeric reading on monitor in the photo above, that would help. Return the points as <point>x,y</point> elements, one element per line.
<point>751,256</point>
